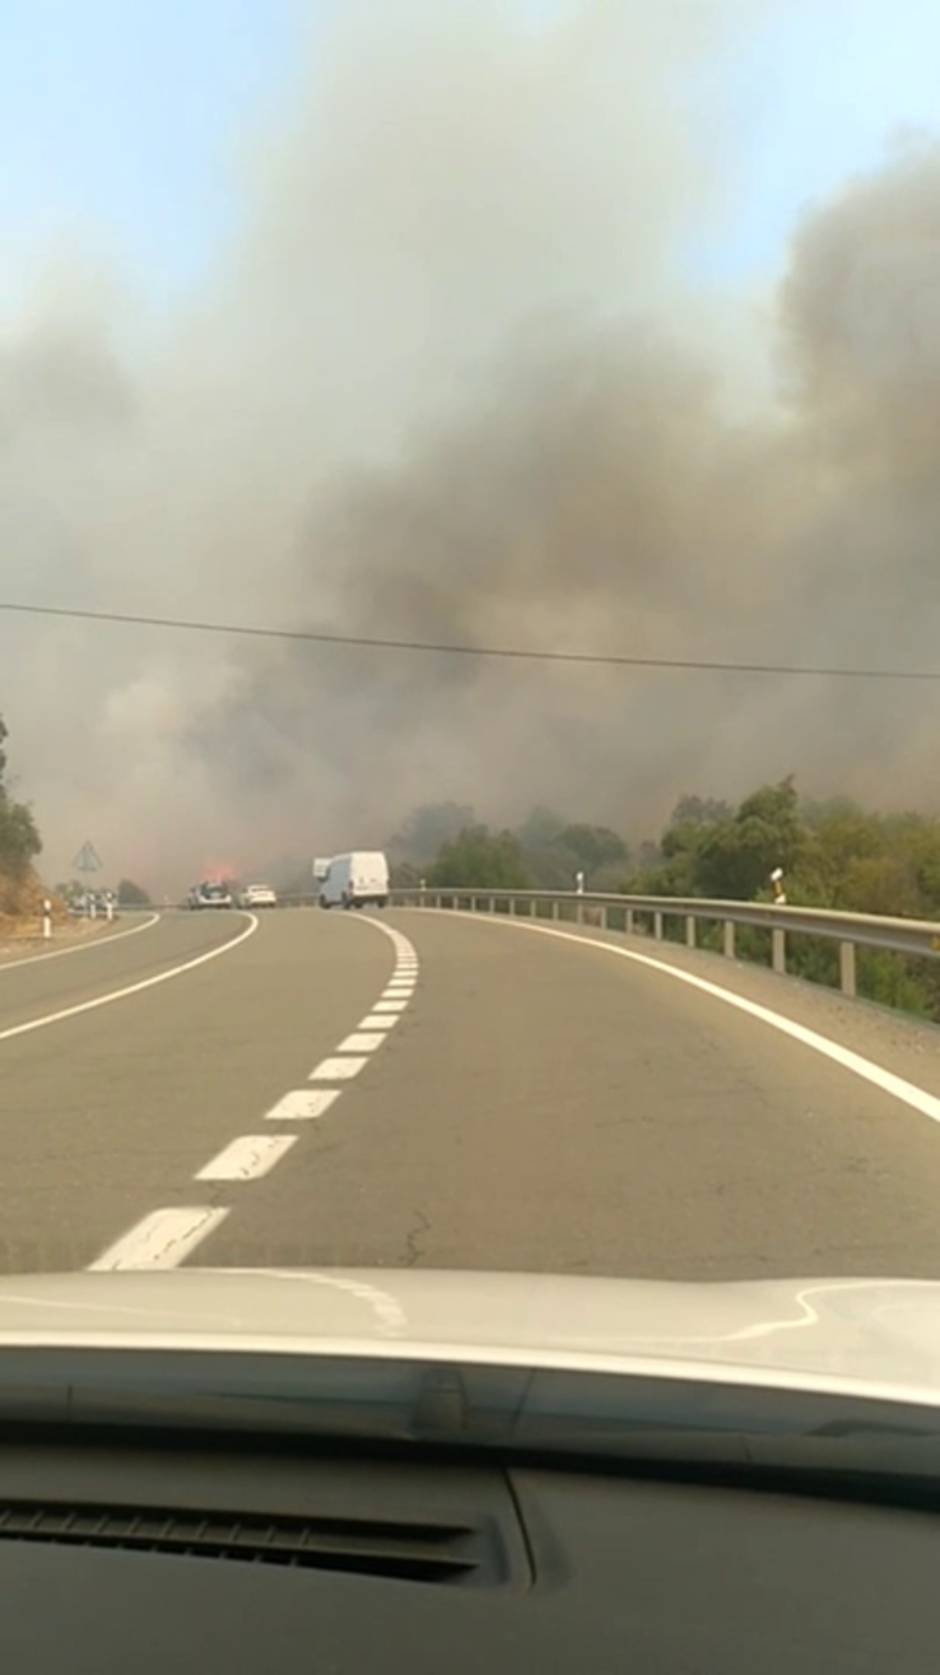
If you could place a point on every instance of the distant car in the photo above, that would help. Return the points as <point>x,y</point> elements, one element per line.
<point>92,904</point>
<point>210,896</point>
<point>258,895</point>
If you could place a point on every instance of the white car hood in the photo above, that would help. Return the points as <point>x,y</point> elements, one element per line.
<point>873,1337</point>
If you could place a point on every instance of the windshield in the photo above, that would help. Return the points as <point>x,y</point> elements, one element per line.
<point>474,466</point>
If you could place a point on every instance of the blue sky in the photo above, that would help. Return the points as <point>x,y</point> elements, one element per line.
<point>120,120</point>
<point>821,94</point>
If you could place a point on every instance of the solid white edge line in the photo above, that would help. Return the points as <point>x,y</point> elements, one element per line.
<point>247,1158</point>
<point>132,988</point>
<point>896,1086</point>
<point>81,947</point>
<point>161,1240</point>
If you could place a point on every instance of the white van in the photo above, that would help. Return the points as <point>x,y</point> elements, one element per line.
<point>356,880</point>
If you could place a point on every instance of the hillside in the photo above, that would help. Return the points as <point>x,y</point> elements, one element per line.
<point>21,902</point>
<point>21,892</point>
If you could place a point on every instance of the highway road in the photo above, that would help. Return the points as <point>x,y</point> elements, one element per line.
<point>426,1088</point>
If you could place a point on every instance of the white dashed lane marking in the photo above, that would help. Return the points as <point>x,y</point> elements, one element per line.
<point>337,1070</point>
<point>162,1240</point>
<point>247,1158</point>
<point>303,1105</point>
<point>166,1237</point>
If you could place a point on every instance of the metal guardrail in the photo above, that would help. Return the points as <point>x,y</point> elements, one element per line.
<point>849,930</point>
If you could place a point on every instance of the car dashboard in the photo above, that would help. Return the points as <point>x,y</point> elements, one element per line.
<point>166,1549</point>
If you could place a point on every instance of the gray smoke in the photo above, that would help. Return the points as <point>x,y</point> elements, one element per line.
<point>452,385</point>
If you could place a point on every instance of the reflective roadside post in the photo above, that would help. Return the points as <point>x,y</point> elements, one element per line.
<point>579,887</point>
<point>110,905</point>
<point>46,919</point>
<point>422,885</point>
<point>778,937</point>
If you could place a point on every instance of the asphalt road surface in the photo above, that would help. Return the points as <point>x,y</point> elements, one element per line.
<point>425,1088</point>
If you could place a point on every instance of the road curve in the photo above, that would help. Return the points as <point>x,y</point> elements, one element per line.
<point>516,1102</point>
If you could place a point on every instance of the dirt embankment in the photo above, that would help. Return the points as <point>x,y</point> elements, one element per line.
<point>21,908</point>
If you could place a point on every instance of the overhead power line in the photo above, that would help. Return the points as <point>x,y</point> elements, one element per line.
<point>529,654</point>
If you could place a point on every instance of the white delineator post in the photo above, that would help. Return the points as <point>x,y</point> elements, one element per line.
<point>46,920</point>
<point>110,909</point>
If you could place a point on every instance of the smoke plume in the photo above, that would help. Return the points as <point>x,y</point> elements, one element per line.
<point>454,382</point>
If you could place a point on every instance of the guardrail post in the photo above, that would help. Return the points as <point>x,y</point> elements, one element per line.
<point>847,968</point>
<point>728,939</point>
<point>690,930</point>
<point>492,904</point>
<point>556,909</point>
<point>603,916</point>
<point>778,950</point>
<point>658,926</point>
<point>474,904</point>
<point>628,921</point>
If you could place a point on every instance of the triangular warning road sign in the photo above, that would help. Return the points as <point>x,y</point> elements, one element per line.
<point>87,859</point>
